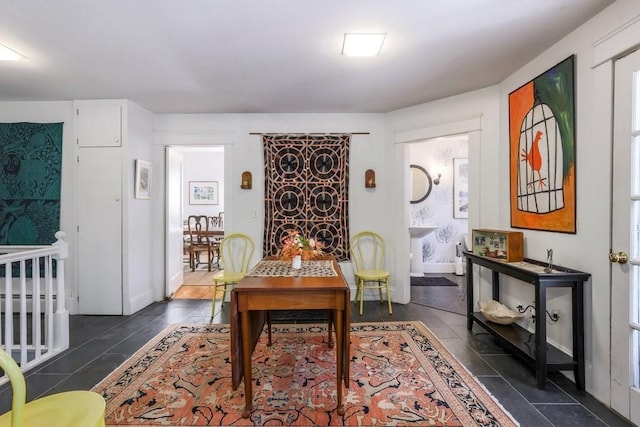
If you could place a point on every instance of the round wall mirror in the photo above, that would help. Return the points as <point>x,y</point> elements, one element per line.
<point>421,183</point>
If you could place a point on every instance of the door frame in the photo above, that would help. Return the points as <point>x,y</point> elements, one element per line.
<point>471,126</point>
<point>625,396</point>
<point>227,206</point>
<point>172,277</point>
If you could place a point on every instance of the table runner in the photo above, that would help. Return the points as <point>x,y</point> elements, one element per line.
<point>276,268</point>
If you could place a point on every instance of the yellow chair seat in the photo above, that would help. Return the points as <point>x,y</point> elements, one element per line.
<point>58,410</point>
<point>372,274</point>
<point>231,277</point>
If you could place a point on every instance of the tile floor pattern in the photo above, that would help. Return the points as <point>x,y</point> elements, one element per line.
<point>101,343</point>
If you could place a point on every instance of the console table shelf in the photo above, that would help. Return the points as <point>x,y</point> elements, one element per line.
<point>534,348</point>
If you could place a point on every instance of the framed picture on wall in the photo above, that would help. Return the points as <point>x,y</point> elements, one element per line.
<point>143,180</point>
<point>461,188</point>
<point>542,151</point>
<point>203,192</point>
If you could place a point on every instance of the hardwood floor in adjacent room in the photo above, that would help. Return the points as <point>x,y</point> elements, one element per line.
<point>196,284</point>
<point>194,292</point>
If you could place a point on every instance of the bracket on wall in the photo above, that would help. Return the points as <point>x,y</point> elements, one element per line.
<point>246,180</point>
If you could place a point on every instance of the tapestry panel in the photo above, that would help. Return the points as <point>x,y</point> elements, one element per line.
<point>30,172</point>
<point>307,190</point>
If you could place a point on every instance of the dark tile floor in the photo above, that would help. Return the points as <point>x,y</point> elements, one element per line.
<point>99,344</point>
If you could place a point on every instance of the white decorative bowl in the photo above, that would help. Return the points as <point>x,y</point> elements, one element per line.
<point>495,312</point>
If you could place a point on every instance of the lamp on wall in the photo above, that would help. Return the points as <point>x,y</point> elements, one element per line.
<point>246,180</point>
<point>370,179</point>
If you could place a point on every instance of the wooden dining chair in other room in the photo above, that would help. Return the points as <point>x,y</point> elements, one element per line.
<point>367,254</point>
<point>221,219</point>
<point>70,408</point>
<point>214,222</point>
<point>236,251</point>
<point>199,240</point>
<point>215,236</point>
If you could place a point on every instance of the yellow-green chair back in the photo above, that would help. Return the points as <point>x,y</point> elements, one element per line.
<point>367,254</point>
<point>71,408</point>
<point>236,251</point>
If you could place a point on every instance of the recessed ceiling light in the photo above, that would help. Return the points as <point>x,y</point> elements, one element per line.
<point>7,54</point>
<point>362,44</point>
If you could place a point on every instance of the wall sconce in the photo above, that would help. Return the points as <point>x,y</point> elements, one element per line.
<point>370,179</point>
<point>436,180</point>
<point>246,180</point>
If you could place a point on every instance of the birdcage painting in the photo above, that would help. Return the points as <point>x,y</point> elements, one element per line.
<point>540,171</point>
<point>542,151</point>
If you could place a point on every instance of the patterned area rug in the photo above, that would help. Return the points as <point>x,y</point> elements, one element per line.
<point>400,375</point>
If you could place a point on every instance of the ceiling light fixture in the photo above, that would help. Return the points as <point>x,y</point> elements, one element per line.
<point>7,54</point>
<point>362,44</point>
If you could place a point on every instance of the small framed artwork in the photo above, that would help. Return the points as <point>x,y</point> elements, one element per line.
<point>203,192</point>
<point>461,188</point>
<point>143,180</point>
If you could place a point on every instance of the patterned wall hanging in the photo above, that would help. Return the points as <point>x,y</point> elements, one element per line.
<point>307,189</point>
<point>30,170</point>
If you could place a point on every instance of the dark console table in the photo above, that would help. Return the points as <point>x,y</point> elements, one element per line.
<point>533,348</point>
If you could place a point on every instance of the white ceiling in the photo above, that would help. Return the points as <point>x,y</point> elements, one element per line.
<point>272,56</point>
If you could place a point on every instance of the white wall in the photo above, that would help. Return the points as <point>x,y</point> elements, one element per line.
<point>587,249</point>
<point>203,166</point>
<point>475,113</point>
<point>243,152</point>
<point>448,116</point>
<point>138,223</point>
<point>138,283</point>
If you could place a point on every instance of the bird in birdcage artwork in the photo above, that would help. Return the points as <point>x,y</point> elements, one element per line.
<point>540,178</point>
<point>542,151</point>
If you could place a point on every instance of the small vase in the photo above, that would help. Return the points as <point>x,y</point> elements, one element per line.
<point>296,262</point>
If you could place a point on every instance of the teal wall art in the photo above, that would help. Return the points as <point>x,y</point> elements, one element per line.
<point>30,172</point>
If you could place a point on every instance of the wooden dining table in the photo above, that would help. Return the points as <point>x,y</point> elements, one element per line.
<point>274,285</point>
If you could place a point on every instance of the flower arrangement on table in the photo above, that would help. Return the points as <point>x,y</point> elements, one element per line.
<point>296,244</point>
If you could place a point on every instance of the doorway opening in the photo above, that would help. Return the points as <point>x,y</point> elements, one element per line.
<point>437,278</point>
<point>195,187</point>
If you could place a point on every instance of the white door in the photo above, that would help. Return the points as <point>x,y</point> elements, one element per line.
<point>100,230</point>
<point>625,240</point>
<point>174,249</point>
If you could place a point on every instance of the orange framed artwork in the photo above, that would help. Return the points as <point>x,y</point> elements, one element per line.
<point>542,151</point>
